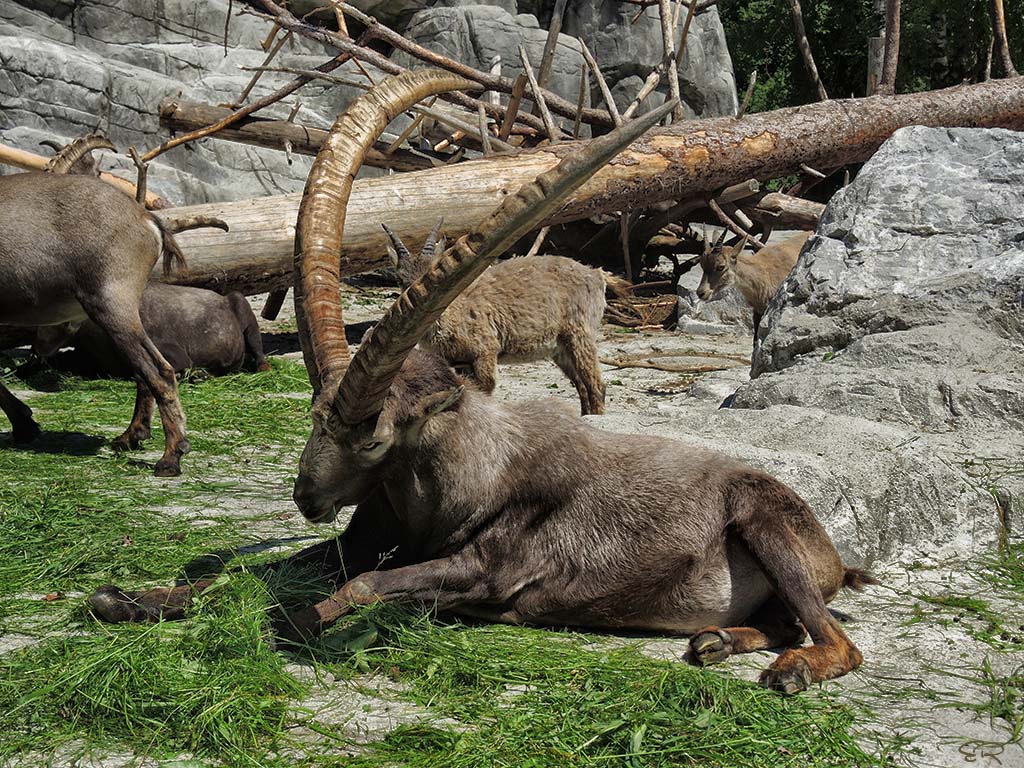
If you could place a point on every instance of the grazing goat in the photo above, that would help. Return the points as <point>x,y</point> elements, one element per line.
<point>192,328</point>
<point>756,275</point>
<point>524,512</point>
<point>73,247</point>
<point>527,308</point>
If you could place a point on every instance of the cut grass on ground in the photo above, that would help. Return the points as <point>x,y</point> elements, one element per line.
<point>214,690</point>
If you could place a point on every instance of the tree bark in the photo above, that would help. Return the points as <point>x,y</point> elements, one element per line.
<point>181,115</point>
<point>1002,47</point>
<point>805,49</point>
<point>887,84</point>
<point>677,162</point>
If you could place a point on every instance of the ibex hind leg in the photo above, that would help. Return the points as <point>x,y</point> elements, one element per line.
<point>139,429</point>
<point>771,626</point>
<point>23,427</point>
<point>149,369</point>
<point>577,357</point>
<point>799,559</point>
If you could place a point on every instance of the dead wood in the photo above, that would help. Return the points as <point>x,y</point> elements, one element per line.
<point>680,162</point>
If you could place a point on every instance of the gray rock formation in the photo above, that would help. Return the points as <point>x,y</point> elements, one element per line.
<point>892,360</point>
<point>68,67</point>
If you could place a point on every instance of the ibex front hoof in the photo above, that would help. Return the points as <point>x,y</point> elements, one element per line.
<point>167,468</point>
<point>130,441</point>
<point>710,646</point>
<point>112,605</point>
<point>25,433</point>
<point>789,674</point>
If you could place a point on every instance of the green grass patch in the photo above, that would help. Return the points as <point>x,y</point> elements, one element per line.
<point>531,697</point>
<point>211,686</point>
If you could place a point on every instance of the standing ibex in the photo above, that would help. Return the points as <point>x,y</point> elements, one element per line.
<point>526,308</point>
<point>73,247</point>
<point>756,275</point>
<point>524,512</point>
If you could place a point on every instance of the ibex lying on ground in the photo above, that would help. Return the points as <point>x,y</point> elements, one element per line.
<point>524,512</point>
<point>756,275</point>
<point>527,308</point>
<point>73,247</point>
<point>192,328</point>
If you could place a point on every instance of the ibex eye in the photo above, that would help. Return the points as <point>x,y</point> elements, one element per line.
<point>371,446</point>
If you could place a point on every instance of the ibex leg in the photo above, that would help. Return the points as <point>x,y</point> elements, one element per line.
<point>772,626</point>
<point>139,429</point>
<point>798,557</point>
<point>442,583</point>
<point>577,357</point>
<point>23,426</point>
<point>484,370</point>
<point>368,537</point>
<point>149,368</point>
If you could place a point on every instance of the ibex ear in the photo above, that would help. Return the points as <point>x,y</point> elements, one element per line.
<point>735,252</point>
<point>437,402</point>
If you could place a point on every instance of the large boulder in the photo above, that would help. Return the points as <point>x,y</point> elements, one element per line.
<point>71,68</point>
<point>892,359</point>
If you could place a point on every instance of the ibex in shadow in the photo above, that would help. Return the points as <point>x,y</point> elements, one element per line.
<point>756,275</point>
<point>192,328</point>
<point>524,512</point>
<point>527,308</point>
<point>72,247</point>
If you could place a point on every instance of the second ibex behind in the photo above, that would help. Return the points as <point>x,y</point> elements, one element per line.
<point>528,308</point>
<point>756,275</point>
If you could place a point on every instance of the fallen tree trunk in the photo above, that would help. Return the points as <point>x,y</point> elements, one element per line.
<point>678,162</point>
<point>187,116</point>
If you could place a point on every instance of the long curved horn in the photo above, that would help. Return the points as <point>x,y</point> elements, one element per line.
<point>184,223</point>
<point>318,235</point>
<point>427,251</point>
<point>368,378</point>
<point>66,158</point>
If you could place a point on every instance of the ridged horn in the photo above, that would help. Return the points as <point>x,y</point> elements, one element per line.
<point>66,158</point>
<point>185,223</point>
<point>396,243</point>
<point>321,222</point>
<point>427,251</point>
<point>369,376</point>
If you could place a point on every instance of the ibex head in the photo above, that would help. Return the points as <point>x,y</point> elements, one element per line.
<point>408,267</point>
<point>371,408</point>
<point>718,262</point>
<point>76,157</point>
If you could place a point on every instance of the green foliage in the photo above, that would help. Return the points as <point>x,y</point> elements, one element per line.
<point>942,43</point>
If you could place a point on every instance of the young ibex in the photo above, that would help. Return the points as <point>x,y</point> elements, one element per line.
<point>192,328</point>
<point>527,308</point>
<point>524,512</point>
<point>73,247</point>
<point>756,275</point>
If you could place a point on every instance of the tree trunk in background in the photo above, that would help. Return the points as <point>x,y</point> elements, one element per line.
<point>887,84</point>
<point>677,162</point>
<point>805,49</point>
<point>1002,47</point>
